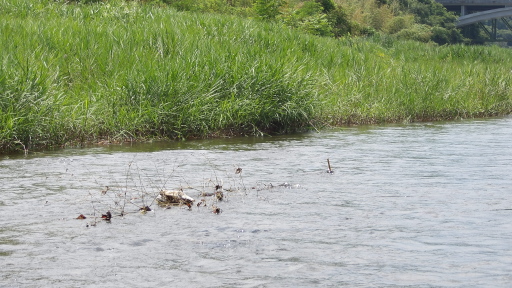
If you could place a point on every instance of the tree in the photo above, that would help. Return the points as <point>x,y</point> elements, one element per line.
<point>340,22</point>
<point>328,5</point>
<point>268,9</point>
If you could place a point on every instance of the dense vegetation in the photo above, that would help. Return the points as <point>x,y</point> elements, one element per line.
<point>420,20</point>
<point>72,73</point>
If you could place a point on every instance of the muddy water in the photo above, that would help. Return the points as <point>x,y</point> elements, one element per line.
<point>423,205</point>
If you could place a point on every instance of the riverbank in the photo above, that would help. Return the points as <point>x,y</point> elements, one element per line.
<point>80,73</point>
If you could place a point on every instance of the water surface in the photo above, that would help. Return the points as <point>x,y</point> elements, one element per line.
<point>421,205</point>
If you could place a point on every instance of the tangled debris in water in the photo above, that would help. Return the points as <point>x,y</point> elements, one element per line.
<point>117,199</point>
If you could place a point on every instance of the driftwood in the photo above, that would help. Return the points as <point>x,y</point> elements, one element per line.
<point>167,197</point>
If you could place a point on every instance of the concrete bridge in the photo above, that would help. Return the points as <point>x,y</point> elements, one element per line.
<point>471,6</point>
<point>484,15</point>
<point>476,11</point>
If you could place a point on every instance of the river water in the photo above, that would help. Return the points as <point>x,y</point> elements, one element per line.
<point>419,205</point>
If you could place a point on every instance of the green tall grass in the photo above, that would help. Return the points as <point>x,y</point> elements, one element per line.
<point>394,81</point>
<point>72,73</point>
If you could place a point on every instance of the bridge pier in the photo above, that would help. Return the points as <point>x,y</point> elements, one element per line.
<point>463,10</point>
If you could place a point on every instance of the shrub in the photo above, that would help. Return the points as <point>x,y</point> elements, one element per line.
<point>417,32</point>
<point>310,19</point>
<point>399,23</point>
<point>440,35</point>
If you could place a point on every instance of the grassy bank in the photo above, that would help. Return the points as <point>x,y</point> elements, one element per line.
<point>77,73</point>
